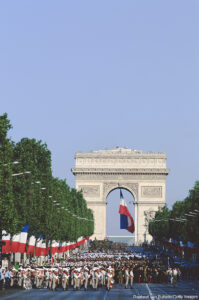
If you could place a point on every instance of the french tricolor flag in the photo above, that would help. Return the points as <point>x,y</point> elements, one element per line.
<point>63,247</point>
<point>23,239</point>
<point>15,243</point>
<point>31,244</point>
<point>6,239</point>
<point>54,247</point>
<point>43,249</point>
<point>126,220</point>
<point>18,244</point>
<point>39,246</point>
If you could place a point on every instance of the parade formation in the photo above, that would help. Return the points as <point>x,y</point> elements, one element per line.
<point>91,270</point>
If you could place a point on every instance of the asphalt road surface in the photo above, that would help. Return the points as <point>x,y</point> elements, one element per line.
<point>183,291</point>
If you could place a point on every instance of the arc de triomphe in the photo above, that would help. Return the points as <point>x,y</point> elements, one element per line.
<point>143,174</point>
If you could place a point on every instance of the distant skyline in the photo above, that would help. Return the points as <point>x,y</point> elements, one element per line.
<point>91,75</point>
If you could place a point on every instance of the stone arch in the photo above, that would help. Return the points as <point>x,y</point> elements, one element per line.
<point>130,187</point>
<point>143,174</point>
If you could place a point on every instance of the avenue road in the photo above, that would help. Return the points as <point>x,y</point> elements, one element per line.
<point>184,290</point>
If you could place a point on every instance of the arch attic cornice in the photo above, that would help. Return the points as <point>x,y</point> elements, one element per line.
<point>100,171</point>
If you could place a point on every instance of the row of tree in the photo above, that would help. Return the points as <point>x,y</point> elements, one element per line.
<point>181,222</point>
<point>29,194</point>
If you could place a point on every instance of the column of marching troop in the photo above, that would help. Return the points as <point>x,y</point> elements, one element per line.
<point>90,270</point>
<point>65,277</point>
<point>91,275</point>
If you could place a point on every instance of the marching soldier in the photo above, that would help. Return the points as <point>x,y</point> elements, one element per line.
<point>76,279</point>
<point>109,279</point>
<point>127,277</point>
<point>131,277</point>
<point>27,279</point>
<point>174,275</point>
<point>55,280</point>
<point>47,279</point>
<point>86,278</point>
<point>120,276</point>
<point>12,277</point>
<point>103,277</point>
<point>145,274</point>
<point>20,277</point>
<point>65,278</point>
<point>98,278</point>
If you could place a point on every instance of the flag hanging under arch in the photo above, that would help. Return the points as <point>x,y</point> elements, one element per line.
<point>126,220</point>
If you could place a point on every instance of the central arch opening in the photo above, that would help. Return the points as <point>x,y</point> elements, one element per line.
<point>113,231</point>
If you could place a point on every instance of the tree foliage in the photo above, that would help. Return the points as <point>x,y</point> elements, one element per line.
<point>181,221</point>
<point>29,194</point>
<point>8,218</point>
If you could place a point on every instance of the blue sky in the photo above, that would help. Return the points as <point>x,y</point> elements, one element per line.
<point>90,75</point>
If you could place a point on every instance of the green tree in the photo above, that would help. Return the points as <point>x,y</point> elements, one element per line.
<point>35,197</point>
<point>159,226</point>
<point>181,221</point>
<point>8,217</point>
<point>32,190</point>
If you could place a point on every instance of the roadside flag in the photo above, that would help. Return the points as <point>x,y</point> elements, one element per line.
<point>23,239</point>
<point>39,246</point>
<point>15,243</point>
<point>31,244</point>
<point>54,247</point>
<point>43,249</point>
<point>6,239</point>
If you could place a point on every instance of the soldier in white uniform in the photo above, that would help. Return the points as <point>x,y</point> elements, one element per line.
<point>103,277</point>
<point>98,277</point>
<point>20,277</point>
<point>174,275</point>
<point>12,277</point>
<point>131,277</point>
<point>76,279</point>
<point>65,279</point>
<point>86,278</point>
<point>95,279</point>
<point>170,277</point>
<point>127,276</point>
<point>55,280</point>
<point>27,279</point>
<point>109,276</point>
